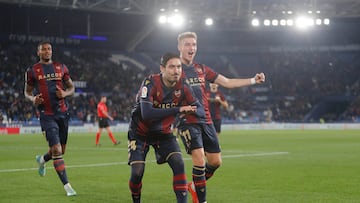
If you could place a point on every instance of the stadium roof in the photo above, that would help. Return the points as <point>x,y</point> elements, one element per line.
<point>132,23</point>
<point>220,8</point>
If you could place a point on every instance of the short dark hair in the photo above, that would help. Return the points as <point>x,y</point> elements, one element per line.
<point>42,43</point>
<point>166,57</point>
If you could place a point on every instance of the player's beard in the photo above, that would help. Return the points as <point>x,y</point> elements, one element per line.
<point>173,80</point>
<point>46,59</point>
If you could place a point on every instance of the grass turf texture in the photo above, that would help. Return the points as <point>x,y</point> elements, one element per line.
<point>319,166</point>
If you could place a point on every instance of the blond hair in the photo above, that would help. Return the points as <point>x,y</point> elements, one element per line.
<point>184,35</point>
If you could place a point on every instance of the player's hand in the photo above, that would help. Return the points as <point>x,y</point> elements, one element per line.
<point>111,118</point>
<point>259,78</point>
<point>38,99</point>
<point>188,109</point>
<point>60,93</point>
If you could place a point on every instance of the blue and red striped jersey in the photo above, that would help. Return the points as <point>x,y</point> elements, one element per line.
<point>44,78</point>
<point>215,107</point>
<point>197,75</point>
<point>155,92</point>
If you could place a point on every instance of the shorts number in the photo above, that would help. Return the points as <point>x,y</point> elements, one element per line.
<point>132,145</point>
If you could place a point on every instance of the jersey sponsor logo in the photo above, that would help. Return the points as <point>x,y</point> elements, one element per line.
<point>196,81</point>
<point>166,105</point>
<point>144,91</point>
<point>177,93</point>
<point>50,76</point>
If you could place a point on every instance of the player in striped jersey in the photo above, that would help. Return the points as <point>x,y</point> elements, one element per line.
<point>160,98</point>
<point>216,101</point>
<point>51,83</point>
<point>198,134</point>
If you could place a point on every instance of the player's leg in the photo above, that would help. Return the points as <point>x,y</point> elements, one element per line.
<point>104,123</point>
<point>168,150</point>
<point>111,136</point>
<point>137,150</point>
<point>41,161</point>
<point>192,139</point>
<point>213,163</point>
<point>212,149</point>
<point>198,174</point>
<point>176,163</point>
<point>98,133</point>
<point>97,137</point>
<point>135,182</point>
<point>217,125</point>
<point>58,150</point>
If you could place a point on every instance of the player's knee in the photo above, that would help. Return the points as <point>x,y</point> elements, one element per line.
<point>216,163</point>
<point>176,163</point>
<point>56,150</point>
<point>137,171</point>
<point>176,159</point>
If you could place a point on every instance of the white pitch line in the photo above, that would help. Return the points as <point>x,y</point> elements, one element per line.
<point>257,154</point>
<point>148,161</point>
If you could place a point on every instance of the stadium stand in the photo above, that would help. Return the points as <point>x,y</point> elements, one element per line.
<point>298,88</point>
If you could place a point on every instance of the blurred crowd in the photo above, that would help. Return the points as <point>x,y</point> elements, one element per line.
<point>296,83</point>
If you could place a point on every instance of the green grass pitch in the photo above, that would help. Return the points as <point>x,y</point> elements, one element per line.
<point>259,166</point>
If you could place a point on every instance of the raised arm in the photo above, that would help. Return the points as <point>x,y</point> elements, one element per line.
<point>239,82</point>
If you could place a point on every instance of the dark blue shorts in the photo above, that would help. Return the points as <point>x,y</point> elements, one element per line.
<point>164,146</point>
<point>217,125</point>
<point>55,128</point>
<point>196,136</point>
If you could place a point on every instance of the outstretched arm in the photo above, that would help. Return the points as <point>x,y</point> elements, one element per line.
<point>149,112</point>
<point>239,82</point>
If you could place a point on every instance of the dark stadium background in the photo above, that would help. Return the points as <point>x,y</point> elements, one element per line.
<point>312,76</point>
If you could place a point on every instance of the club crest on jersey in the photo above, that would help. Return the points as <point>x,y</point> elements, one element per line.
<point>144,91</point>
<point>199,70</point>
<point>157,93</point>
<point>177,93</point>
<point>147,81</point>
<point>57,67</point>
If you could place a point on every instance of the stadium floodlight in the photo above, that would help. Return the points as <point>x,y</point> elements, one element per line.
<point>209,21</point>
<point>326,21</point>
<point>289,22</point>
<point>255,22</point>
<point>318,21</point>
<point>302,22</point>
<point>163,19</point>
<point>274,22</point>
<point>266,22</point>
<point>283,22</point>
<point>310,22</point>
<point>176,20</point>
